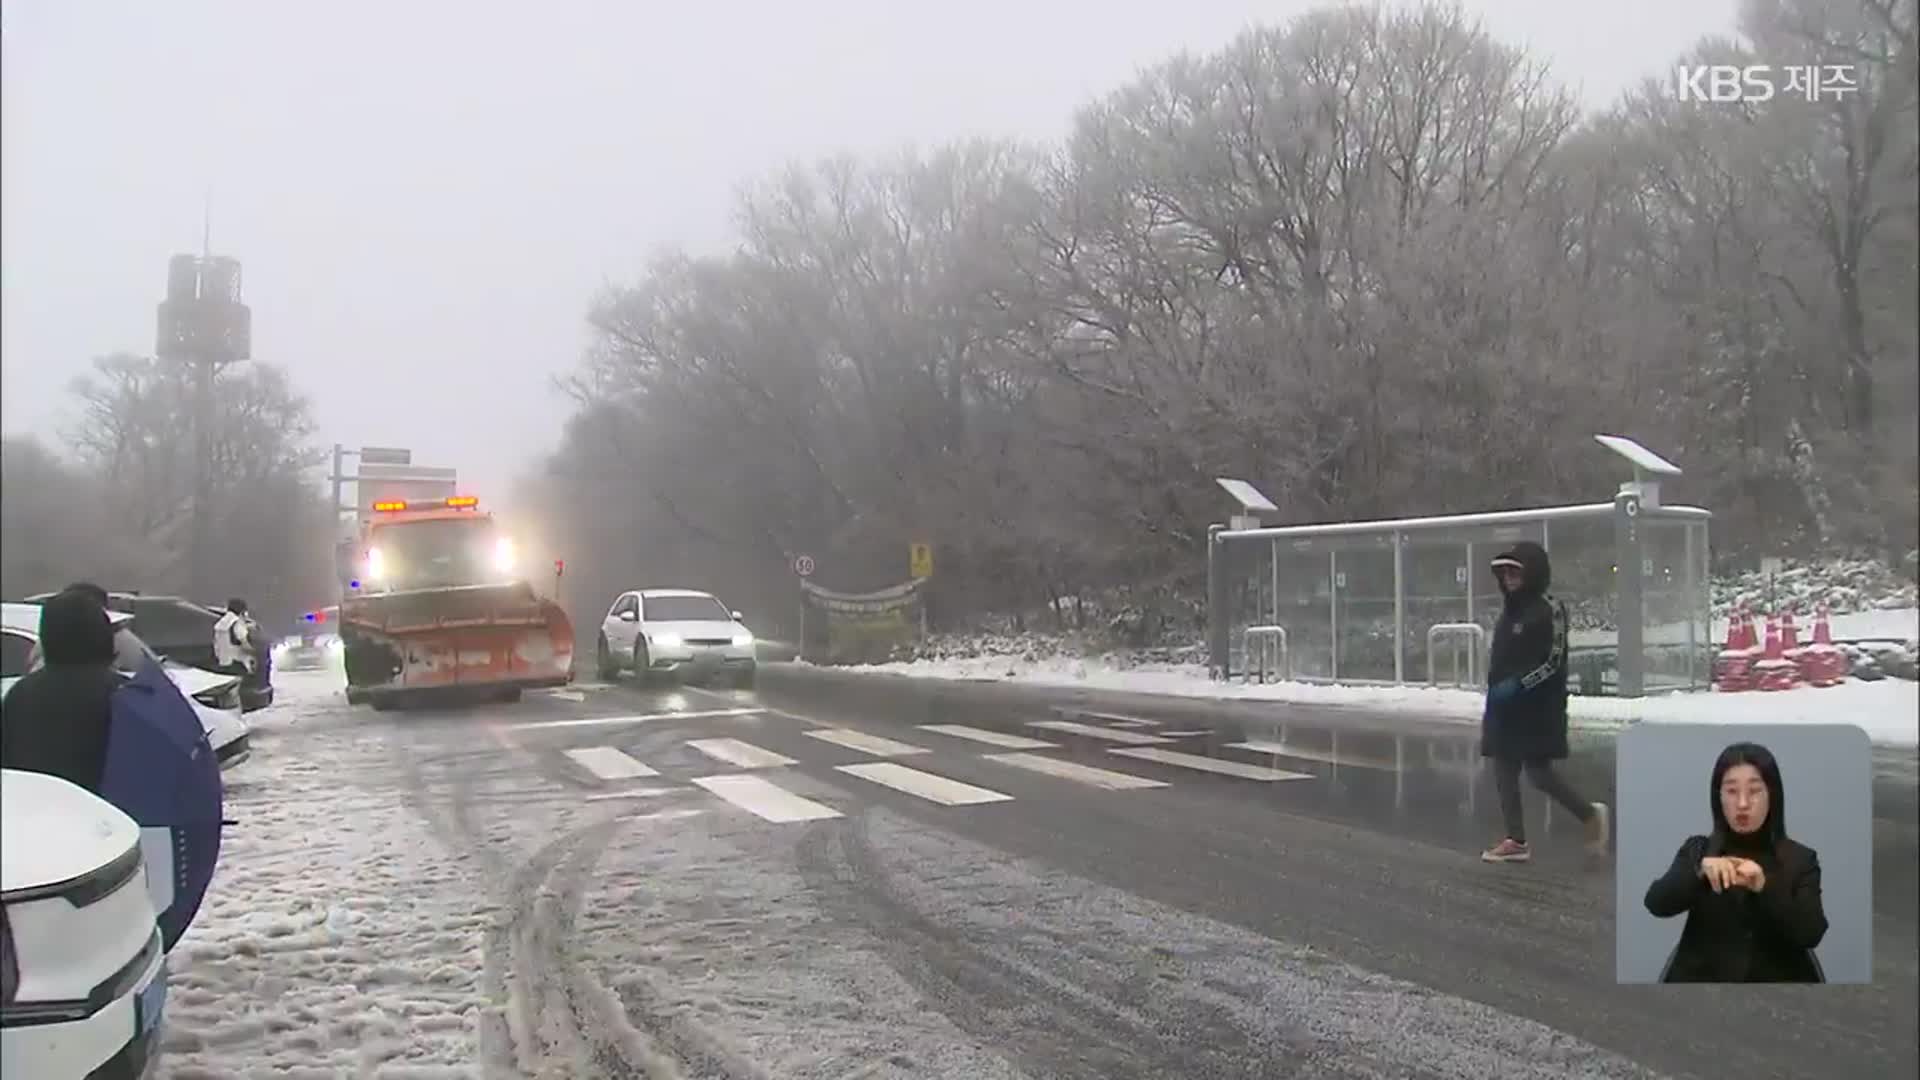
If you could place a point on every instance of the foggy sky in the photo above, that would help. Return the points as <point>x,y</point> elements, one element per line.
<point>426,198</point>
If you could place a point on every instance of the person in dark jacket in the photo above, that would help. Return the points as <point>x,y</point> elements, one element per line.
<point>1750,894</point>
<point>58,716</point>
<point>1524,726</point>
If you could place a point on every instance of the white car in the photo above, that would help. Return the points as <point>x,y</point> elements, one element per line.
<point>675,632</point>
<point>215,697</point>
<point>85,978</point>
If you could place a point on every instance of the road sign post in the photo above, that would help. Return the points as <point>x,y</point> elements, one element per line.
<point>803,568</point>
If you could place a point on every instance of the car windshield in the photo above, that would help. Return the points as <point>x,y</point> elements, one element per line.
<point>433,554</point>
<point>686,609</point>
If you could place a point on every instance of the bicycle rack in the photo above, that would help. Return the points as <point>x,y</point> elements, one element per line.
<point>1261,642</point>
<point>1476,641</point>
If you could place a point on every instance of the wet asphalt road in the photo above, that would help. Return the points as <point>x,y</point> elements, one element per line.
<point>949,903</point>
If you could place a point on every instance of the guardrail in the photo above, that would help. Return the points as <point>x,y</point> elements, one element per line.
<point>1261,642</point>
<point>1474,636</point>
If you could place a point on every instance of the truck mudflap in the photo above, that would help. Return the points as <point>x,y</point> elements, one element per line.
<point>473,636</point>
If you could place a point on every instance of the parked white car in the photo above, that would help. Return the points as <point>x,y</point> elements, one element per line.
<point>675,632</point>
<point>215,697</point>
<point>85,978</point>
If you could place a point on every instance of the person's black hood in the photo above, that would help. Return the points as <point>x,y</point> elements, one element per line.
<point>1535,568</point>
<point>74,629</point>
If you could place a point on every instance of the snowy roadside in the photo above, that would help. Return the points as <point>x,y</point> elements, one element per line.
<point>1889,711</point>
<point>338,938</point>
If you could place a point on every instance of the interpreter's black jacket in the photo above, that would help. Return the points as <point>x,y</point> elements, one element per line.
<point>1738,935</point>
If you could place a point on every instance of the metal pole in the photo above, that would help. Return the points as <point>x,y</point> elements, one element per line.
<point>1333,615</point>
<point>1693,640</point>
<point>1275,566</point>
<point>1218,629</point>
<point>1399,611</point>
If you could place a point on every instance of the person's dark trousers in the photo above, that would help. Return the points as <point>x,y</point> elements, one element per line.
<point>1506,777</point>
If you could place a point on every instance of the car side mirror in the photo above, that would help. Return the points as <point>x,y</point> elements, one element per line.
<point>628,616</point>
<point>737,616</point>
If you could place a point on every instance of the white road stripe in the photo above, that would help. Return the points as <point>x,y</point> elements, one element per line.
<point>1187,734</point>
<point>567,695</point>
<point>1120,719</point>
<point>865,743</point>
<point>765,799</point>
<point>1132,738</point>
<point>1262,746</point>
<point>609,763</point>
<point>1207,764</point>
<point>991,738</point>
<point>926,785</point>
<point>608,721</point>
<point>743,755</point>
<point>1069,770</point>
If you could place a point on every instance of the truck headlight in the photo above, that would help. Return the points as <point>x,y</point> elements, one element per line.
<point>503,556</point>
<point>376,564</point>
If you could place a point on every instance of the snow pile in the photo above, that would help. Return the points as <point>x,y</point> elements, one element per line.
<point>1843,586</point>
<point>1889,711</point>
<point>338,938</point>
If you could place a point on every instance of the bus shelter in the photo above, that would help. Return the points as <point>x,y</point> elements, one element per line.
<point>1412,601</point>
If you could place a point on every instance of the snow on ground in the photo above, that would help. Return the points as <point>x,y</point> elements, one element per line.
<point>1889,711</point>
<point>338,938</point>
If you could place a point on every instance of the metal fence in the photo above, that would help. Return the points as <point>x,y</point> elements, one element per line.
<point>1412,601</point>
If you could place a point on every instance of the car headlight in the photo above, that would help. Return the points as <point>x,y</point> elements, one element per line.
<point>743,639</point>
<point>671,641</point>
<point>335,645</point>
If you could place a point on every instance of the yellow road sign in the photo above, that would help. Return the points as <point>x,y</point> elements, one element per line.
<point>921,560</point>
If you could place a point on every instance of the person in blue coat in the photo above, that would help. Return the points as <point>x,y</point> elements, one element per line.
<point>1524,725</point>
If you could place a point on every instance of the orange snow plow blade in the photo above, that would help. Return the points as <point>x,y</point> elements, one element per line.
<point>477,636</point>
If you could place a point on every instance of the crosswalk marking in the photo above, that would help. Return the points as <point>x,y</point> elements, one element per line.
<point>865,743</point>
<point>609,763</point>
<point>1207,764</point>
<point>992,738</point>
<point>1116,719</point>
<point>744,755</point>
<point>1262,746</point>
<point>1132,738</point>
<point>1187,734</point>
<point>599,721</point>
<point>1069,770</point>
<point>765,799</point>
<point>926,785</point>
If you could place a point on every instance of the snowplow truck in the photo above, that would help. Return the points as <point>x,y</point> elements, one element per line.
<point>433,603</point>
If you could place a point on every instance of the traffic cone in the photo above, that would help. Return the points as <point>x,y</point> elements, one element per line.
<point>1774,670</point>
<point>1822,629</point>
<point>1789,634</point>
<point>1733,667</point>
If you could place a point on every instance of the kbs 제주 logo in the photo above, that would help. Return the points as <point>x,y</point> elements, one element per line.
<point>1722,83</point>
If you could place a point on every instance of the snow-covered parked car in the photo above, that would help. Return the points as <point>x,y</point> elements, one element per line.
<point>215,697</point>
<point>675,632</point>
<point>84,973</point>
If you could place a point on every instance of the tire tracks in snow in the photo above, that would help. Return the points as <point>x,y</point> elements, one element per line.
<point>1038,1015</point>
<point>548,1017</point>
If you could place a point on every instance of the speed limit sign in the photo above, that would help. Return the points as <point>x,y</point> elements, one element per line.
<point>803,565</point>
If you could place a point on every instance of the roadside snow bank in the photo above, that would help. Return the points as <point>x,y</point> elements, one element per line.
<point>337,938</point>
<point>1889,711</point>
